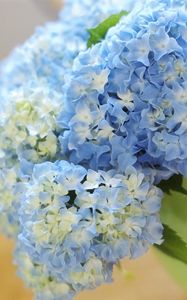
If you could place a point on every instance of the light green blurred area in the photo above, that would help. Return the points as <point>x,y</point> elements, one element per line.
<point>176,268</point>
<point>174,214</point>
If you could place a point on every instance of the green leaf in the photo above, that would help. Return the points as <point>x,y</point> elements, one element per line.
<point>175,183</point>
<point>173,245</point>
<point>174,206</point>
<point>176,268</point>
<point>98,33</point>
<point>174,214</point>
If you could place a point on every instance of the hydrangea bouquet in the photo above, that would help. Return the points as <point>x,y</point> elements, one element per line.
<point>93,143</point>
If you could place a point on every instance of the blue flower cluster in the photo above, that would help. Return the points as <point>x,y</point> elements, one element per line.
<point>85,136</point>
<point>28,134</point>
<point>31,95</point>
<point>39,279</point>
<point>127,97</point>
<point>47,57</point>
<point>78,223</point>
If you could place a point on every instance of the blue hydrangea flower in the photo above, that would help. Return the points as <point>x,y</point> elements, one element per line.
<point>84,137</point>
<point>78,223</point>
<point>28,132</point>
<point>136,88</point>
<point>31,95</point>
<point>39,279</point>
<point>28,125</point>
<point>10,202</point>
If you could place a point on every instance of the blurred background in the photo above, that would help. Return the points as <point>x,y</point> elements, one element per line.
<point>18,18</point>
<point>142,279</point>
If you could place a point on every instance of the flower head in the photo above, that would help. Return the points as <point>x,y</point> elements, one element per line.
<point>31,81</point>
<point>39,279</point>
<point>138,101</point>
<point>78,227</point>
<point>85,134</point>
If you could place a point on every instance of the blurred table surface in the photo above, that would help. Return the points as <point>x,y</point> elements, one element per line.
<point>148,280</point>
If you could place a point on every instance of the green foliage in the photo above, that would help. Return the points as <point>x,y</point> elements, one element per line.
<point>174,184</point>
<point>173,245</point>
<point>98,33</point>
<point>174,205</point>
<point>174,216</point>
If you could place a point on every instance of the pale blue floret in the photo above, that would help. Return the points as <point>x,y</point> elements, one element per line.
<point>139,50</point>
<point>161,44</point>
